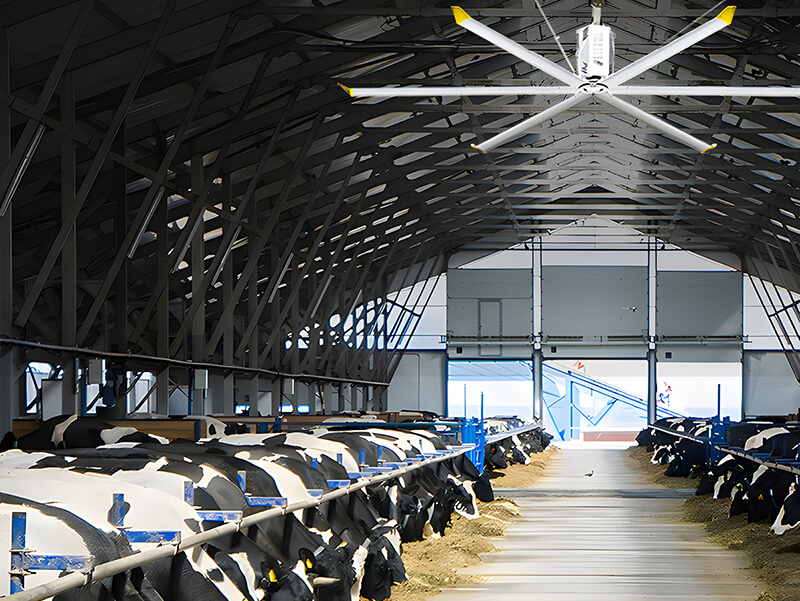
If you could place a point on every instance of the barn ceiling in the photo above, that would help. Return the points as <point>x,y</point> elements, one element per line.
<point>198,185</point>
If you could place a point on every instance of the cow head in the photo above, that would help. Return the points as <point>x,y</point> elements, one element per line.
<point>284,582</point>
<point>332,569</point>
<point>494,457</point>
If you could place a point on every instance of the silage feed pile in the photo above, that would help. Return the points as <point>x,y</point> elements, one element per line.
<point>775,559</point>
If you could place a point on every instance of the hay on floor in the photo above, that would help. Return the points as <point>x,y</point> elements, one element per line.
<point>774,558</point>
<point>436,563</point>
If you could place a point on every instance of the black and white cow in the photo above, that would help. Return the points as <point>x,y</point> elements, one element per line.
<point>74,432</point>
<point>339,551</point>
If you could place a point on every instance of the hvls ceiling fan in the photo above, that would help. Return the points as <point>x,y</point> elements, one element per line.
<point>595,78</point>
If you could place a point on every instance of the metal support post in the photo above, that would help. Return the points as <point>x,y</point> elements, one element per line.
<point>538,382</point>
<point>119,340</point>
<point>69,255</point>
<point>198,267</point>
<point>652,386</point>
<point>226,277</point>
<point>327,398</point>
<point>162,309</point>
<point>253,347</point>
<point>276,387</point>
<point>10,406</point>
<point>652,352</point>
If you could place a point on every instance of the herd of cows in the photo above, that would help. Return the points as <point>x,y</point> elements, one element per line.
<point>758,491</point>
<point>84,494</point>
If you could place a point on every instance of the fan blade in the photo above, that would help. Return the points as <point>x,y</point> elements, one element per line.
<point>526,125</point>
<point>726,91</point>
<point>510,46</point>
<point>677,45</point>
<point>666,128</point>
<point>460,91</point>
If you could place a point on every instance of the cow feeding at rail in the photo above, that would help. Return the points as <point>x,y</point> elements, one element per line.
<point>296,515</point>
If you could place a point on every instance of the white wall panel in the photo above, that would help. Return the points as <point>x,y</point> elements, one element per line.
<point>489,303</point>
<point>594,301</point>
<point>489,283</point>
<point>698,303</point>
<point>420,382</point>
<point>768,385</point>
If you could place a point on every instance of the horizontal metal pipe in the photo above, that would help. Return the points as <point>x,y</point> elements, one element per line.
<point>730,451</point>
<point>515,431</point>
<point>116,566</point>
<point>73,350</point>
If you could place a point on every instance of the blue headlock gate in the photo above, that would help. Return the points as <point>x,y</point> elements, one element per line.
<point>717,445</point>
<point>473,433</point>
<point>25,561</point>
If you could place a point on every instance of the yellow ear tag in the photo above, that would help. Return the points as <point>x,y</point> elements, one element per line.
<point>309,565</point>
<point>272,576</point>
<point>343,544</point>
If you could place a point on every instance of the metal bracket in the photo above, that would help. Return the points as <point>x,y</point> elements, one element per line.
<point>139,536</point>
<point>25,563</point>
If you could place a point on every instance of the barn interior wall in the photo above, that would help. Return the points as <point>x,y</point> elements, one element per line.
<point>768,385</point>
<point>420,382</point>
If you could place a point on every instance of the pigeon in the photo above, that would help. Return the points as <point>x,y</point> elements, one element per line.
<point>590,474</point>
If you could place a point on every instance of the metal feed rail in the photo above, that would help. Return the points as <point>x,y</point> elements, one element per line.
<point>123,564</point>
<point>509,433</point>
<point>786,465</point>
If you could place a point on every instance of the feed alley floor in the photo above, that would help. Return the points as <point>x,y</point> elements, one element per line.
<point>605,537</point>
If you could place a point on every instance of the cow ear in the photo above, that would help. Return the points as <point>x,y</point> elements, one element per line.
<point>308,558</point>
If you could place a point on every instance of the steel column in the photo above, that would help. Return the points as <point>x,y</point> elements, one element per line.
<point>253,350</point>
<point>652,386</point>
<point>119,339</point>
<point>162,307</point>
<point>198,268</point>
<point>69,255</point>
<point>228,387</point>
<point>538,383</point>
<point>9,372</point>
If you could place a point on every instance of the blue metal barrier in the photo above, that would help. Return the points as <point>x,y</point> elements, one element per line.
<point>117,518</point>
<point>24,562</point>
<point>473,432</point>
<point>716,446</point>
<point>254,501</point>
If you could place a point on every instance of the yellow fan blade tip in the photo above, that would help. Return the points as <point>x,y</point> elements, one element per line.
<point>460,14</point>
<point>712,147</point>
<point>727,14</point>
<point>478,148</point>
<point>346,89</point>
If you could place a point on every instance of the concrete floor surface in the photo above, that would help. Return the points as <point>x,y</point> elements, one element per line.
<point>605,537</point>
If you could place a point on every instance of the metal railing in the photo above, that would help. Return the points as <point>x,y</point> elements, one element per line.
<point>786,465</point>
<point>75,580</point>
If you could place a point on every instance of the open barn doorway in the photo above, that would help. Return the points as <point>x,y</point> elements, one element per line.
<point>506,388</point>
<point>595,399</point>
